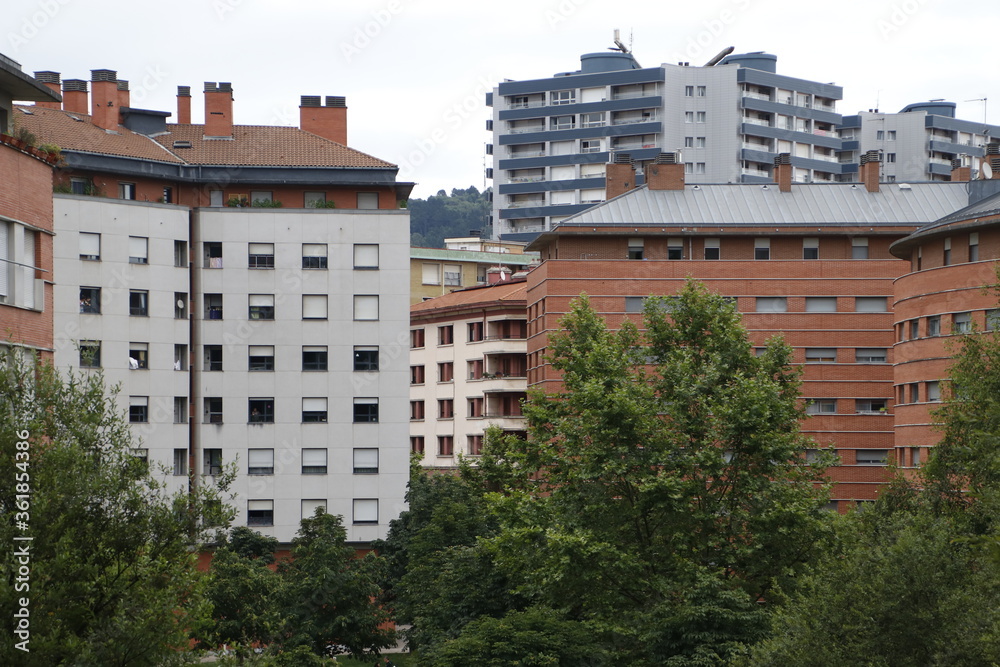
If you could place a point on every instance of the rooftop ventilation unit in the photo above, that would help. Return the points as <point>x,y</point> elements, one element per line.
<point>334,101</point>
<point>182,144</point>
<point>623,158</point>
<point>666,158</point>
<point>310,100</point>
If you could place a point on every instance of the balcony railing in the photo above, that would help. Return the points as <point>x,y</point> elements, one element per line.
<point>756,121</point>
<point>757,147</point>
<point>634,121</point>
<point>516,154</point>
<point>632,96</point>
<point>527,128</point>
<point>526,203</point>
<point>527,105</point>
<point>527,179</point>
<point>755,172</point>
<point>757,96</point>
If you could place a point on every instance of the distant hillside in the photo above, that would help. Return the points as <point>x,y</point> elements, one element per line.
<point>442,216</point>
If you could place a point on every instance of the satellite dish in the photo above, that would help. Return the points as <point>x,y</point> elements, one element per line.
<point>180,303</point>
<point>987,171</point>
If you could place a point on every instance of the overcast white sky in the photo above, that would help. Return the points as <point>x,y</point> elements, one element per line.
<point>415,72</point>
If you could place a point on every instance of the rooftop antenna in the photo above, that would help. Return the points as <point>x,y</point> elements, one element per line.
<point>983,100</point>
<point>618,43</point>
<point>719,56</point>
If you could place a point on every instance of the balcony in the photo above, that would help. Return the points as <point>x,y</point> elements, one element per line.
<point>518,154</point>
<point>756,121</point>
<point>533,104</point>
<point>632,95</point>
<point>755,172</point>
<point>526,179</point>
<point>526,203</point>
<point>756,96</point>
<point>526,129</point>
<point>635,120</point>
<point>763,148</point>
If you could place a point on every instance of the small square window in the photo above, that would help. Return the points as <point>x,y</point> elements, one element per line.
<point>138,250</point>
<point>446,335</point>
<point>416,339</point>
<point>213,255</point>
<point>90,354</point>
<point>368,200</point>
<point>138,303</point>
<point>314,410</point>
<point>810,248</point>
<point>213,357</point>
<point>416,374</point>
<point>416,410</point>
<point>212,460</point>
<point>366,510</point>
<point>819,355</point>
<point>310,507</point>
<point>772,304</point>
<point>962,323</point>
<point>260,410</point>
<point>180,254</point>
<point>314,357</point>
<point>446,408</point>
<point>933,391</point>
<point>138,356</point>
<point>314,306</point>
<point>261,306</point>
<point>446,371</point>
<point>260,358</point>
<point>366,307</point>
<point>417,444</point>
<point>90,246</point>
<point>260,256</point>
<point>366,357</point>
<point>712,248</point>
<point>314,462</point>
<point>675,248</point>
<point>762,249</point>
<point>314,256</point>
<point>474,445</point>
<point>180,409</point>
<point>90,300</point>
<point>446,445</point>
<point>260,462</point>
<point>180,462</point>
<point>260,512</point>
<point>213,306</point>
<point>859,248</point>
<point>366,461</point>
<point>872,457</point>
<point>933,326</point>
<point>365,410</point>
<point>870,355</point>
<point>138,409</point>
<point>365,256</point>
<point>821,406</point>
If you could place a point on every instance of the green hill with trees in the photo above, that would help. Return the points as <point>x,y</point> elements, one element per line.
<point>442,216</point>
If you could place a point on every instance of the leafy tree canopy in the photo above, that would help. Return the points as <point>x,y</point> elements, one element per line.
<point>442,216</point>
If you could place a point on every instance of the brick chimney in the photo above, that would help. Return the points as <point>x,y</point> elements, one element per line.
<point>620,176</point>
<point>783,171</point>
<point>869,172</point>
<point>124,96</point>
<point>329,122</point>
<point>51,81</point>
<point>497,274</point>
<point>75,96</point>
<point>666,172</point>
<point>958,172</point>
<point>218,109</point>
<point>104,98</point>
<point>184,105</point>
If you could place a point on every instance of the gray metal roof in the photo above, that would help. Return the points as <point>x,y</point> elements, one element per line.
<point>807,203</point>
<point>446,254</point>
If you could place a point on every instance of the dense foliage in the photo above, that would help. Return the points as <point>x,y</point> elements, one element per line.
<point>442,216</point>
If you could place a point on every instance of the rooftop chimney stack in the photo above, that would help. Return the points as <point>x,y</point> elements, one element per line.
<point>958,172</point>
<point>75,96</point>
<point>993,157</point>
<point>184,105</point>
<point>665,173</point>
<point>783,171</point>
<point>104,98</point>
<point>51,81</point>
<point>329,122</point>
<point>124,96</point>
<point>620,175</point>
<point>871,161</point>
<point>218,110</point>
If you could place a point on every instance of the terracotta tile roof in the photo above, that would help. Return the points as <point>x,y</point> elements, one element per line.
<point>54,126</point>
<point>251,145</point>
<point>510,293</point>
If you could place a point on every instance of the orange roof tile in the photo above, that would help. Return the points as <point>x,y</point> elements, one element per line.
<point>506,293</point>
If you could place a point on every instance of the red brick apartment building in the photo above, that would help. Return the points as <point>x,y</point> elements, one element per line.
<point>808,261</point>
<point>25,220</point>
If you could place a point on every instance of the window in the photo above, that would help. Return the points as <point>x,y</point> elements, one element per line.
<point>314,410</point>
<point>416,410</point>
<point>946,258</point>
<point>213,306</point>
<point>562,122</point>
<point>142,456</point>
<point>138,303</point>
<point>314,357</point>
<point>712,248</point>
<point>446,371</point>
<point>365,307</point>
<point>368,200</point>
<point>138,356</point>
<point>365,461</point>
<point>126,190</point>
<point>688,91</point>
<point>446,408</point>
<point>260,462</point>
<point>762,248</point>
<point>365,256</point>
<point>314,461</point>
<point>212,461</point>
<point>366,357</point>
<point>590,146</point>
<point>310,507</point>
<point>870,355</point>
<point>688,142</point>
<point>476,406</point>
<point>90,246</point>
<point>213,255</point>
<point>476,369</point>
<point>263,196</point>
<point>474,445</point>
<point>933,326</point>
<point>915,456</point>
<point>891,135</point>
<point>138,250</point>
<point>314,256</point>
<point>416,374</point>
<point>821,406</point>
<point>446,335</point>
<point>699,167</point>
<point>81,186</point>
<point>859,248</point>
<point>180,305</point>
<point>914,392</point>
<point>416,339</point>
<point>563,96</point>
<point>260,256</point>
<point>702,91</point>
<point>213,357</point>
<point>595,119</point>
<point>993,319</point>
<point>933,391</point>
<point>871,457</point>
<point>365,410</point>
<point>168,196</point>
<point>314,200</point>
<point>180,409</point>
<point>90,299</point>
<point>635,248</point>
<point>819,355</point>
<point>772,304</point>
<point>216,198</point>
<point>879,135</point>
<point>974,247</point>
<point>260,512</point>
<point>90,354</point>
<point>180,462</point>
<point>138,409</point>
<point>261,306</point>
<point>417,444</point>
<point>431,274</point>
<point>821,304</point>
<point>890,157</point>
<point>961,323</point>
<point>915,328</point>
<point>870,304</point>
<point>701,116</point>
<point>675,248</point>
<point>366,510</point>
<point>700,142</point>
<point>446,445</point>
<point>810,248</point>
<point>688,116</point>
<point>452,274</point>
<point>260,410</point>
<point>314,306</point>
<point>867,406</point>
<point>260,357</point>
<point>475,331</point>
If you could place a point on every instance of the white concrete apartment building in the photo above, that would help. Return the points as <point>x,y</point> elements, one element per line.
<point>272,337</point>
<point>468,370</point>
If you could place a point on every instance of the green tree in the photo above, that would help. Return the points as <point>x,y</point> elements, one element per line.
<point>113,578</point>
<point>442,216</point>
